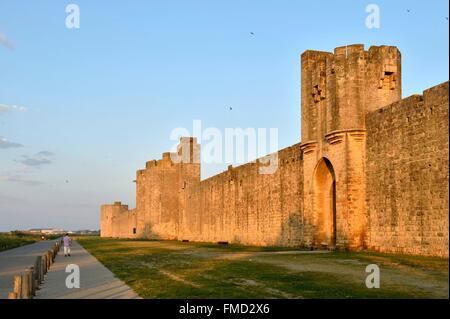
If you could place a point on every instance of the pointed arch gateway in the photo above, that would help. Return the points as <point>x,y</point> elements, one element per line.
<point>324,203</point>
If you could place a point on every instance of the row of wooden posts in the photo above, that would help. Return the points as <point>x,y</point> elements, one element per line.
<point>27,282</point>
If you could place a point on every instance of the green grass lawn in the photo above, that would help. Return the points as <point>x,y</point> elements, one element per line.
<point>16,239</point>
<point>171,269</point>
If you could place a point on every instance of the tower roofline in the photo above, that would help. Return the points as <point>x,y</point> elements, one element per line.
<point>349,49</point>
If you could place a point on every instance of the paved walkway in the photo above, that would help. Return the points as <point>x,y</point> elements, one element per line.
<point>96,281</point>
<point>15,261</point>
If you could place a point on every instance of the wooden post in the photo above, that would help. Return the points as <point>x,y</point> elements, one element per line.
<point>26,285</point>
<point>38,269</point>
<point>12,295</point>
<point>18,286</point>
<point>44,265</point>
<point>49,260</point>
<point>32,281</point>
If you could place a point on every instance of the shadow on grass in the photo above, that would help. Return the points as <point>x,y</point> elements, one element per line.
<point>171,269</point>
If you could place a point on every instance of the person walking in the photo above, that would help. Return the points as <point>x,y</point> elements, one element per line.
<point>67,244</point>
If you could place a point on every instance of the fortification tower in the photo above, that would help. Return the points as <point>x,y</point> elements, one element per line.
<point>161,189</point>
<point>337,91</point>
<point>109,219</point>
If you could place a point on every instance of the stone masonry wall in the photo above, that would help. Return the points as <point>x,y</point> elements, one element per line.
<point>407,175</point>
<point>243,206</point>
<point>117,221</point>
<point>160,192</point>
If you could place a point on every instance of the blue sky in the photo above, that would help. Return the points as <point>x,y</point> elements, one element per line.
<point>83,109</point>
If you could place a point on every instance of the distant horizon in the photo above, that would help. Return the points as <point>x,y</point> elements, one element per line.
<point>82,109</point>
<point>50,228</point>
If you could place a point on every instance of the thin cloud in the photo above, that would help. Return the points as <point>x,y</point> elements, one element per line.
<point>5,144</point>
<point>29,161</point>
<point>45,153</point>
<point>14,178</point>
<point>37,160</point>
<point>5,41</point>
<point>7,108</point>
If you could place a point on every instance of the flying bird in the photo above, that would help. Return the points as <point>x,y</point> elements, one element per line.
<point>231,109</point>
<point>252,33</point>
<point>408,10</point>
